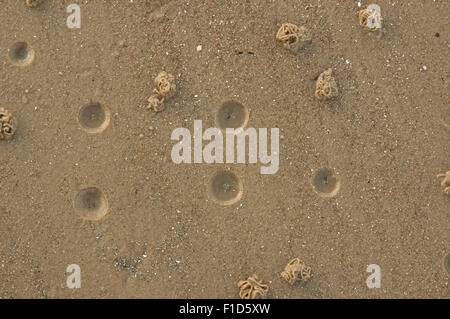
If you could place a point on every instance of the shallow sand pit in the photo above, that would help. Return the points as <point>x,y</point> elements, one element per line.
<point>232,114</point>
<point>21,54</point>
<point>225,188</point>
<point>91,204</point>
<point>325,183</point>
<point>94,117</point>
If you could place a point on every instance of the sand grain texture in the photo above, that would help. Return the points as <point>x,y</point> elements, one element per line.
<point>163,236</point>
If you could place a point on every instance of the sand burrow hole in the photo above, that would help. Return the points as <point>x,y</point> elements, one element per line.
<point>225,188</point>
<point>21,54</point>
<point>232,114</point>
<point>91,204</point>
<point>94,117</point>
<point>325,182</point>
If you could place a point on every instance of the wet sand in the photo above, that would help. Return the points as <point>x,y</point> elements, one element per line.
<point>148,228</point>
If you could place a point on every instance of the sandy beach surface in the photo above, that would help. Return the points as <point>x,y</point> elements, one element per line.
<point>98,188</point>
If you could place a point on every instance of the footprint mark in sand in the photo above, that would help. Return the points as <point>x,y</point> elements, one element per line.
<point>232,114</point>
<point>226,188</point>
<point>21,54</point>
<point>94,118</point>
<point>91,204</point>
<point>325,182</point>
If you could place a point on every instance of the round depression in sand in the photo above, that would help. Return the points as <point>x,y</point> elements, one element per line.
<point>94,117</point>
<point>325,182</point>
<point>21,54</point>
<point>225,188</point>
<point>91,204</point>
<point>232,114</point>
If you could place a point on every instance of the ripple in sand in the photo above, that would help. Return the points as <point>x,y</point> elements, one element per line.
<point>226,188</point>
<point>325,182</point>
<point>91,204</point>
<point>21,54</point>
<point>232,114</point>
<point>94,117</point>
